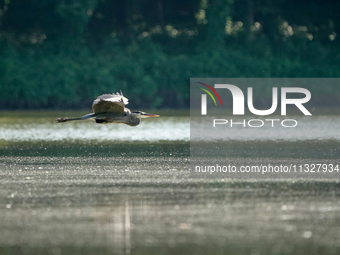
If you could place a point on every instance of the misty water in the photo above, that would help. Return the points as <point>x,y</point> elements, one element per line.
<point>85,188</point>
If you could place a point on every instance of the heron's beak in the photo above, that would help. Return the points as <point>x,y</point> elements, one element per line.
<point>150,115</point>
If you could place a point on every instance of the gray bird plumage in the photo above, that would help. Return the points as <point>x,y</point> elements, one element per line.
<point>110,108</point>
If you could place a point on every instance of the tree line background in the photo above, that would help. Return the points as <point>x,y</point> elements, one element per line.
<point>64,53</point>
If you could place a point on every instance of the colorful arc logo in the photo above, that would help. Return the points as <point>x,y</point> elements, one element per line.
<point>208,92</point>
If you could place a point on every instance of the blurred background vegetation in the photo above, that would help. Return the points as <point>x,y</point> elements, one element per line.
<point>64,53</point>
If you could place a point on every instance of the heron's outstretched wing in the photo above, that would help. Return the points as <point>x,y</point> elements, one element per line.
<point>110,103</point>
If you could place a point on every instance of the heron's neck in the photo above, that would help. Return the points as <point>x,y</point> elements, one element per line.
<point>132,119</point>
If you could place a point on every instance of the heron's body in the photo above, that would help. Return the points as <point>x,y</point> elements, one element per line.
<point>110,108</point>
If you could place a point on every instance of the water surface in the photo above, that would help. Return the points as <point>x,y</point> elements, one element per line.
<point>84,188</point>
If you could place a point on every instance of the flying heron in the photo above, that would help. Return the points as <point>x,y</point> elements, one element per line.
<point>110,108</point>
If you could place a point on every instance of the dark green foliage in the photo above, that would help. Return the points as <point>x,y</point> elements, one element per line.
<point>62,54</point>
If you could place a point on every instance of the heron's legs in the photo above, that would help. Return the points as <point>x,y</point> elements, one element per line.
<point>85,117</point>
<point>66,119</point>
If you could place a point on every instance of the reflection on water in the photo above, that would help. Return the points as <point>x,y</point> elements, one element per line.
<point>35,128</point>
<point>92,189</point>
<point>115,224</point>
